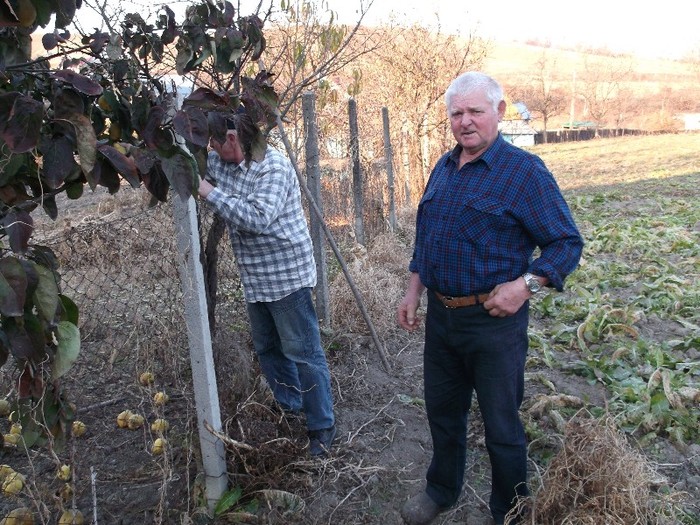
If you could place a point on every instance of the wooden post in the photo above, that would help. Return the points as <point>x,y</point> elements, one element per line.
<point>206,396</point>
<point>405,146</point>
<point>356,172</point>
<point>334,246</point>
<point>389,159</point>
<point>313,182</point>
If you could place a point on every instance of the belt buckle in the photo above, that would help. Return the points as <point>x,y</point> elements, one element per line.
<point>448,298</point>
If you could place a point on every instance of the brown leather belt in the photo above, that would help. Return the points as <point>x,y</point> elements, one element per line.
<point>461,302</point>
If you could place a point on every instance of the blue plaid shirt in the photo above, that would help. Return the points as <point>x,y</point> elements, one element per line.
<point>479,226</point>
<point>261,205</point>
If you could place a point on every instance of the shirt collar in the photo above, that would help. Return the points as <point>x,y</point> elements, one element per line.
<point>488,157</point>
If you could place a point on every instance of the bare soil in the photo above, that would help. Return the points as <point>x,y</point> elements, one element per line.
<point>381,453</point>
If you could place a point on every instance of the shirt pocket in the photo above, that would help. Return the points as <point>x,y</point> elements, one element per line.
<point>480,220</point>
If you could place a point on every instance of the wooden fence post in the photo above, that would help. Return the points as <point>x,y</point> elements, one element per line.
<point>356,172</point>
<point>405,146</point>
<point>389,159</point>
<point>313,182</point>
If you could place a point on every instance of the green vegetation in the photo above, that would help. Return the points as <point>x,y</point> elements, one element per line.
<point>630,317</point>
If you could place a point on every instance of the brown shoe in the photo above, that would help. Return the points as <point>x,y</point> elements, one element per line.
<point>420,510</point>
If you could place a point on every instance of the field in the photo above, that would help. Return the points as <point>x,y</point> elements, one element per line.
<point>620,345</point>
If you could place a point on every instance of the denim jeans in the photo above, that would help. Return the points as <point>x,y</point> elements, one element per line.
<point>288,344</point>
<point>467,351</point>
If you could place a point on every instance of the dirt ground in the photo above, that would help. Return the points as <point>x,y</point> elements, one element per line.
<point>381,453</point>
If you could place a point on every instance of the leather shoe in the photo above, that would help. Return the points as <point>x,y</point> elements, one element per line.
<point>420,510</point>
<point>320,441</point>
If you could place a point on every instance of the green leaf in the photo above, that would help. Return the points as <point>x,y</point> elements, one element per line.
<point>14,275</point>
<point>74,190</point>
<point>68,348</point>
<point>228,500</point>
<point>46,294</point>
<point>12,167</point>
<point>70,310</point>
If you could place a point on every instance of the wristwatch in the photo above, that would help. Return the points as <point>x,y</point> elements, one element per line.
<point>533,284</point>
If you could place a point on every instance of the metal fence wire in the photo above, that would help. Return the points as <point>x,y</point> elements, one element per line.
<point>121,269</point>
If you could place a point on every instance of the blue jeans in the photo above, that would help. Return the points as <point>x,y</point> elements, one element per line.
<point>288,344</point>
<point>467,351</point>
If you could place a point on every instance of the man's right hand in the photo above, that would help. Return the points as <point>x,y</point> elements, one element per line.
<point>406,313</point>
<point>205,188</point>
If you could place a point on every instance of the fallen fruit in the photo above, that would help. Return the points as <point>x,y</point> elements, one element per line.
<point>123,418</point>
<point>146,378</point>
<point>16,428</point>
<point>160,425</point>
<point>13,484</point>
<point>135,421</point>
<point>66,492</point>
<point>4,407</point>
<point>159,446</point>
<point>78,428</point>
<point>11,439</point>
<point>5,470</point>
<point>160,398</point>
<point>71,517</point>
<point>64,473</point>
<point>19,516</point>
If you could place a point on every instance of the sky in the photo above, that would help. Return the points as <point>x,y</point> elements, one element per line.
<point>669,29</point>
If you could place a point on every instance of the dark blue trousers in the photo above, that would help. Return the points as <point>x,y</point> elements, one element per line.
<point>469,352</point>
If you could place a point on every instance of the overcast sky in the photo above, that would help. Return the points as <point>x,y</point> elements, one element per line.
<point>668,28</point>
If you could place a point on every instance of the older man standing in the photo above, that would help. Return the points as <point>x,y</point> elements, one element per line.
<point>486,207</point>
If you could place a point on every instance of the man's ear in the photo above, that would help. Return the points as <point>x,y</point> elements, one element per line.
<point>501,109</point>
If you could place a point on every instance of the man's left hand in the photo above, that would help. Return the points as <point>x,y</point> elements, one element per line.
<point>507,298</point>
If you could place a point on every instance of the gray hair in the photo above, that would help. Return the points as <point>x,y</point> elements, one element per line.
<point>473,81</point>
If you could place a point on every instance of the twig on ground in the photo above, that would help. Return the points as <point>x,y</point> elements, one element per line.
<point>355,434</point>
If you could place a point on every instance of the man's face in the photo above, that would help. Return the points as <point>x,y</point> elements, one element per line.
<point>229,150</point>
<point>474,122</point>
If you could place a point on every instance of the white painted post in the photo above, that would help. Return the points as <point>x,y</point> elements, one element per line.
<point>206,396</point>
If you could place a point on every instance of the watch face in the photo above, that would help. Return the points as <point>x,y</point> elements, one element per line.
<point>532,283</point>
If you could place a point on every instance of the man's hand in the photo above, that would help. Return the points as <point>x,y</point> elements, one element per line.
<point>406,312</point>
<point>507,298</point>
<point>205,188</point>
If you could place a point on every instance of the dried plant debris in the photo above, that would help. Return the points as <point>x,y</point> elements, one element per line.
<point>596,477</point>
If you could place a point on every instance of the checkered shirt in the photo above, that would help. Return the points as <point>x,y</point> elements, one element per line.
<point>261,205</point>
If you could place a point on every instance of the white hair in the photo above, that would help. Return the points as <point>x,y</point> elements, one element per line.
<point>472,81</point>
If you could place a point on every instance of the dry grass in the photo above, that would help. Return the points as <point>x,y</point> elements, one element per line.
<point>380,274</point>
<point>582,165</point>
<point>596,477</point>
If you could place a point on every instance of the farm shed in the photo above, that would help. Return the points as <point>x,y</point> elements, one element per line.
<point>518,132</point>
